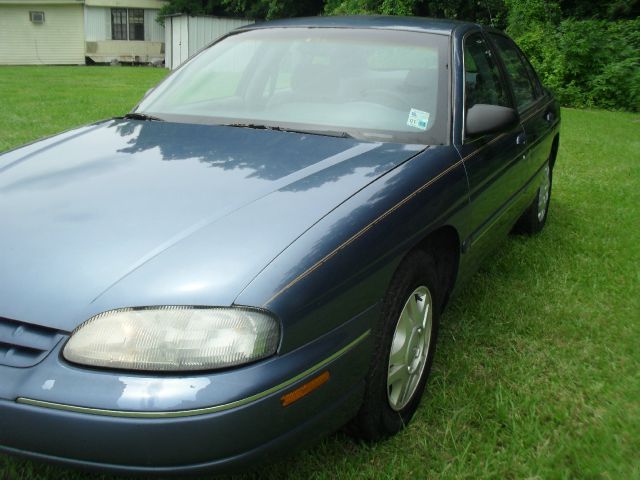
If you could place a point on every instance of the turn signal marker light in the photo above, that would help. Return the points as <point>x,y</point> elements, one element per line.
<point>305,389</point>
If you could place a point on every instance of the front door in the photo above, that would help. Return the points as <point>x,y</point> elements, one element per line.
<point>494,161</point>
<point>534,107</point>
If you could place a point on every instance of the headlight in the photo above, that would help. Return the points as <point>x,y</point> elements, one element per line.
<point>174,338</point>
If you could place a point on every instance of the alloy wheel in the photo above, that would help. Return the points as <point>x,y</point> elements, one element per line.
<point>409,348</point>
<point>543,193</point>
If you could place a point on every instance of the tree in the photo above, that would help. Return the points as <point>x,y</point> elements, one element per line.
<point>194,7</point>
<point>605,10</point>
<point>482,11</point>
<point>257,9</point>
<point>270,9</point>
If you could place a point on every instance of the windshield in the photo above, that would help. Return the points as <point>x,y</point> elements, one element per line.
<point>378,85</point>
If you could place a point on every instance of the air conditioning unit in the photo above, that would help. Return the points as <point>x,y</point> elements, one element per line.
<point>36,17</point>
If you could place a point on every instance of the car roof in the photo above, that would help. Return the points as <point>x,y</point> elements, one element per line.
<point>422,24</point>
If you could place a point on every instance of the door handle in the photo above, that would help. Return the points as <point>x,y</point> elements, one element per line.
<point>521,139</point>
<point>549,117</point>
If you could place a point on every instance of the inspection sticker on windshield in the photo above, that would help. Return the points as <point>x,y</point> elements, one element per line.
<point>418,119</point>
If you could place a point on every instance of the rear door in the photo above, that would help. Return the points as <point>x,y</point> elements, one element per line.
<point>494,161</point>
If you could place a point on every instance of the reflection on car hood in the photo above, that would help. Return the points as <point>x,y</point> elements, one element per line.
<point>130,213</point>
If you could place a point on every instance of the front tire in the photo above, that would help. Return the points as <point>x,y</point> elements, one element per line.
<point>403,353</point>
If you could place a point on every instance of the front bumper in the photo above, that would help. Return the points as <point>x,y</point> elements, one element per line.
<point>191,440</point>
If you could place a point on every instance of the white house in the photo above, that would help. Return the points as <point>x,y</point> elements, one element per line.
<point>58,32</point>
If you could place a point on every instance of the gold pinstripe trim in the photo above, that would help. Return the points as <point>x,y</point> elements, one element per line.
<point>479,149</point>
<point>197,411</point>
<point>499,137</point>
<point>357,235</point>
<point>536,111</point>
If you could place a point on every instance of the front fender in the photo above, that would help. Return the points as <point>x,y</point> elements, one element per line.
<point>344,263</point>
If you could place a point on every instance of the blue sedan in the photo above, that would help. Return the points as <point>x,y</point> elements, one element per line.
<point>260,252</point>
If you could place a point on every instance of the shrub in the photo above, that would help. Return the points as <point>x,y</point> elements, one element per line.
<point>588,63</point>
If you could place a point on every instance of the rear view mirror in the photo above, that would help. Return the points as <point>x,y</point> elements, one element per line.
<point>483,119</point>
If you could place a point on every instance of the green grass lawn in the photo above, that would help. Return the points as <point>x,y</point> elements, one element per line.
<point>537,373</point>
<point>39,101</point>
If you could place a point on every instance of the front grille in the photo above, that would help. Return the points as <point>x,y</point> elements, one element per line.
<point>23,344</point>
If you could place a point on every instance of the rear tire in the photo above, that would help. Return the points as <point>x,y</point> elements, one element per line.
<point>405,339</point>
<point>534,217</point>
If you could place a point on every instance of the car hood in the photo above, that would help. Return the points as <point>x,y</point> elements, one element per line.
<point>132,213</point>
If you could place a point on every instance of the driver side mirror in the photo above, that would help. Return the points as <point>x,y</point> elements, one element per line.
<point>483,119</point>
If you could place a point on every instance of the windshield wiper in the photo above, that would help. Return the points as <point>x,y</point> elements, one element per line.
<point>326,133</point>
<point>141,116</point>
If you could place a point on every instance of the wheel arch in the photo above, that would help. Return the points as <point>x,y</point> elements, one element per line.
<point>444,244</point>
<point>554,150</point>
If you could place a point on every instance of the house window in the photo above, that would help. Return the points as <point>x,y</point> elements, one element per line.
<point>136,24</point>
<point>119,24</point>
<point>127,24</point>
<point>36,17</point>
